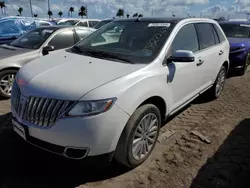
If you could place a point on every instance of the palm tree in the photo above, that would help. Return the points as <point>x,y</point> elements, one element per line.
<point>35,15</point>
<point>71,10</point>
<point>20,10</point>
<point>60,14</point>
<point>120,13</point>
<point>140,15</point>
<point>3,7</point>
<point>173,14</point>
<point>135,15</point>
<point>127,15</point>
<point>82,11</point>
<point>50,13</point>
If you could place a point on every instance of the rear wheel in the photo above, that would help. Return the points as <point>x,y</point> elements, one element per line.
<point>7,78</point>
<point>139,137</point>
<point>219,83</point>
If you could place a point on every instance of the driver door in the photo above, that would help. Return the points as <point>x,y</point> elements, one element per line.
<point>60,40</point>
<point>185,77</point>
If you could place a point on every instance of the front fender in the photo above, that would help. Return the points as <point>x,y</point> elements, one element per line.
<point>131,91</point>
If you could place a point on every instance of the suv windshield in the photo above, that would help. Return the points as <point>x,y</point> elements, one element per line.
<point>101,23</point>
<point>129,41</point>
<point>236,30</point>
<point>33,39</point>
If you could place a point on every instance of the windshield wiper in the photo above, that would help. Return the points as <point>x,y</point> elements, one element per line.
<point>76,49</point>
<point>18,46</point>
<point>105,55</point>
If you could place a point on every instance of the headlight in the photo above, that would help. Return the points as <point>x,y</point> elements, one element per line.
<point>237,49</point>
<point>88,108</point>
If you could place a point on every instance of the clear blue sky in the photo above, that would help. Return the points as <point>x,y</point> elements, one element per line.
<point>108,8</point>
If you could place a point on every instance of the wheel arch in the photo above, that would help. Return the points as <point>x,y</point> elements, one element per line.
<point>159,102</point>
<point>10,68</point>
<point>226,65</point>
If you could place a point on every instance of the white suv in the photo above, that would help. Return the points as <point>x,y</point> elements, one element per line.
<point>108,95</point>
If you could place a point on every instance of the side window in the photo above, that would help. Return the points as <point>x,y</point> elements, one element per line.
<point>82,33</point>
<point>186,39</point>
<point>92,23</point>
<point>217,41</point>
<point>108,37</point>
<point>85,24</point>
<point>205,34</point>
<point>9,28</point>
<point>62,40</point>
<point>44,24</point>
<point>219,32</point>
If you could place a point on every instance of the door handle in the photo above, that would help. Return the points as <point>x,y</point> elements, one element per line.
<point>200,62</point>
<point>221,52</point>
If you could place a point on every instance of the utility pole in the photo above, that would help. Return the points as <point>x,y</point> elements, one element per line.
<point>31,11</point>
<point>87,11</point>
<point>48,5</point>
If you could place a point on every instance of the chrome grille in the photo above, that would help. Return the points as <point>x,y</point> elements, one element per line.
<point>43,112</point>
<point>15,96</point>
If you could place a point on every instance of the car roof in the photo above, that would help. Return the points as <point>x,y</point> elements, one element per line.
<point>56,27</point>
<point>235,22</point>
<point>153,19</point>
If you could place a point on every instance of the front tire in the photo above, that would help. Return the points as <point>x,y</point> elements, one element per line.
<point>7,78</point>
<point>139,136</point>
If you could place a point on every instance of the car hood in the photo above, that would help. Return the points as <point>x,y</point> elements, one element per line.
<point>7,51</point>
<point>67,76</point>
<point>238,41</point>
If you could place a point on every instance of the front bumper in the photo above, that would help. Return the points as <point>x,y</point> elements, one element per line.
<point>86,136</point>
<point>237,60</point>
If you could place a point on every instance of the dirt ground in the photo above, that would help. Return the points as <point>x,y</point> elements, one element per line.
<point>180,159</point>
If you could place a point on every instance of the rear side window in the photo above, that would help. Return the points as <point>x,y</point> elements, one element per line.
<point>62,40</point>
<point>93,23</point>
<point>85,24</point>
<point>215,35</point>
<point>205,34</point>
<point>186,39</point>
<point>82,33</point>
<point>220,34</point>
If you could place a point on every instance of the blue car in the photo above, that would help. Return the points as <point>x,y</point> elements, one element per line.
<point>13,27</point>
<point>238,34</point>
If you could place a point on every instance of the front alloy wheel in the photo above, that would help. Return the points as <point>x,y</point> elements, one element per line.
<point>139,136</point>
<point>6,82</point>
<point>145,136</point>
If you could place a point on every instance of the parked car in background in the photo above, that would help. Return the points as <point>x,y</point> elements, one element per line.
<point>103,22</point>
<point>12,27</point>
<point>34,44</point>
<point>238,34</point>
<point>107,98</point>
<point>79,22</point>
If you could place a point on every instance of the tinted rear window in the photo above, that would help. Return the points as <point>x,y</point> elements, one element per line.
<point>205,34</point>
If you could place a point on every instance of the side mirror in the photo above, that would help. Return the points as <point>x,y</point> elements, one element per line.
<point>48,49</point>
<point>181,56</point>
